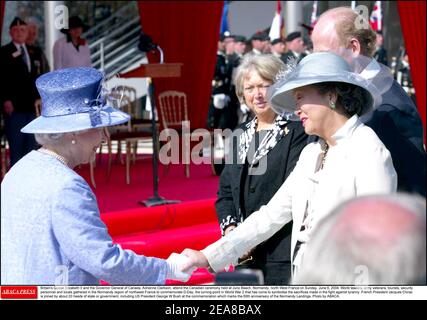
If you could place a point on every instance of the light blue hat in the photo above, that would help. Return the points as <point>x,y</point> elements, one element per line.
<point>72,100</point>
<point>317,68</point>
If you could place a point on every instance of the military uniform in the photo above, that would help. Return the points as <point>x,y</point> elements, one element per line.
<point>290,55</point>
<point>220,85</point>
<point>20,68</point>
<point>405,80</point>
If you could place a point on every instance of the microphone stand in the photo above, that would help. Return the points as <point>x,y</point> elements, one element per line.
<point>155,200</point>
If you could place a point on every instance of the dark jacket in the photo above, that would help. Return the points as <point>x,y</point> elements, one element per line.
<point>17,84</point>
<point>272,256</point>
<point>398,124</point>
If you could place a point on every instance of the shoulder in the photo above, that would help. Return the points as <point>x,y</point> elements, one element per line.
<point>44,177</point>
<point>295,125</point>
<point>308,152</point>
<point>364,138</point>
<point>54,173</point>
<point>61,41</point>
<point>396,98</point>
<point>10,47</point>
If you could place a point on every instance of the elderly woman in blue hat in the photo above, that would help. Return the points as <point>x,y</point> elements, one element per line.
<point>51,231</point>
<point>348,161</point>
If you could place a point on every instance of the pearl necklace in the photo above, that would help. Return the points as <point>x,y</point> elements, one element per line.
<point>54,154</point>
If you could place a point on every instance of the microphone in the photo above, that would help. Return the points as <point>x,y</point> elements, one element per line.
<point>146,43</point>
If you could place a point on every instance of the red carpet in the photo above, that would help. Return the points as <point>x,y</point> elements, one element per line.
<point>159,231</point>
<point>115,194</point>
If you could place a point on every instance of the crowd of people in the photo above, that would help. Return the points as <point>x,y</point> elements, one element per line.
<point>225,110</point>
<point>23,61</point>
<point>323,181</point>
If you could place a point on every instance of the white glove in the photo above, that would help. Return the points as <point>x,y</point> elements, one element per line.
<point>244,108</point>
<point>175,263</point>
<point>220,100</point>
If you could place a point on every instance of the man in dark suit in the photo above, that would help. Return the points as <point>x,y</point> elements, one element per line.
<point>220,88</point>
<point>396,120</point>
<point>18,90</point>
<point>295,47</point>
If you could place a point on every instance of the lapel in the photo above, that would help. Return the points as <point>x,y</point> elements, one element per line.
<point>18,59</point>
<point>238,186</point>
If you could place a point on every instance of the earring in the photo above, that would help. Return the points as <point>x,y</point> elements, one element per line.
<point>332,104</point>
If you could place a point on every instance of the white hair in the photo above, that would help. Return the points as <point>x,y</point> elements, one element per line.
<point>334,257</point>
<point>54,138</point>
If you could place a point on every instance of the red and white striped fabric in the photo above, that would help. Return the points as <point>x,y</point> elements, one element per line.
<point>376,17</point>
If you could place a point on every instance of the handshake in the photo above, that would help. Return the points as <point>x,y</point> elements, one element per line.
<point>181,266</point>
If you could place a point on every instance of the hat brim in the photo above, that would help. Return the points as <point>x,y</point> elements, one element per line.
<point>75,122</point>
<point>85,28</point>
<point>282,100</point>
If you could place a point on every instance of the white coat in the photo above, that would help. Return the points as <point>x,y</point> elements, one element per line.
<point>359,164</point>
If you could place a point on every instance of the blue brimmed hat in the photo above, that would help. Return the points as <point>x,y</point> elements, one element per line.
<point>72,100</point>
<point>317,68</point>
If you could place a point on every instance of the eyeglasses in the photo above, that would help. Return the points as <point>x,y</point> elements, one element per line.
<point>261,88</point>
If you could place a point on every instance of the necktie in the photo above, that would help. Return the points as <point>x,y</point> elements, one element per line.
<point>24,57</point>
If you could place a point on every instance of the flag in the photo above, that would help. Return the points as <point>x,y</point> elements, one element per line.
<point>313,19</point>
<point>224,20</point>
<point>276,24</point>
<point>376,17</point>
<point>353,5</point>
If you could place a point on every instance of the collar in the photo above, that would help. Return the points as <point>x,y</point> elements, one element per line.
<point>256,51</point>
<point>347,129</point>
<point>18,46</point>
<point>220,53</point>
<point>296,54</point>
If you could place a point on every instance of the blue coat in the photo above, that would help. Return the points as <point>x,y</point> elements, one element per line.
<point>51,231</point>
